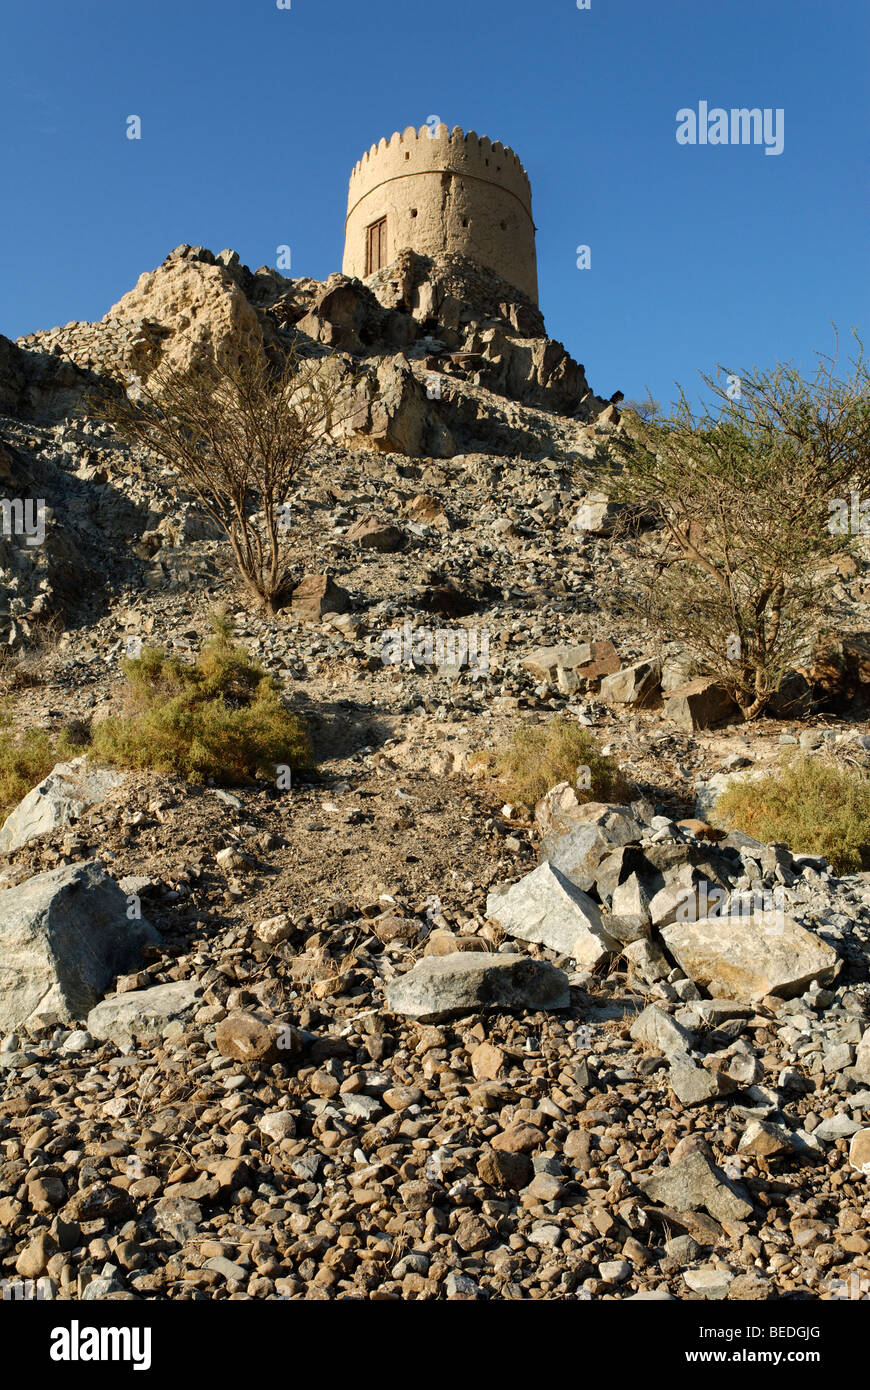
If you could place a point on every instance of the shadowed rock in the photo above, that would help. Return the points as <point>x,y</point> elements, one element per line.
<point>441,986</point>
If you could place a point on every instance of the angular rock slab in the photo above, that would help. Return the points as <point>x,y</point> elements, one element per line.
<point>441,986</point>
<point>694,1183</point>
<point>558,808</point>
<point>700,704</point>
<point>616,822</point>
<point>576,852</point>
<point>58,799</point>
<point>547,908</point>
<point>64,938</point>
<point>638,684</point>
<point>586,661</point>
<point>747,957</point>
<point>578,837</point>
<point>647,961</point>
<point>371,534</point>
<point>316,595</point>
<point>144,1013</point>
<point>659,1030</point>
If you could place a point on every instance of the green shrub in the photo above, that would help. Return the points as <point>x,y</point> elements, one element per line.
<point>27,757</point>
<point>540,755</point>
<point>221,717</point>
<point>811,804</point>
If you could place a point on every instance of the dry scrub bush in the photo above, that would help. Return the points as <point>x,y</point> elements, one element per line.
<point>220,718</point>
<point>539,756</point>
<point>812,804</point>
<point>236,433</point>
<point>28,756</point>
<point>746,491</point>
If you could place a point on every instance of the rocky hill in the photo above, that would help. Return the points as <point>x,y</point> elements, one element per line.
<point>381,1033</point>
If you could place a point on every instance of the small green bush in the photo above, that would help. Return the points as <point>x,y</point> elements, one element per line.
<point>539,756</point>
<point>812,805</point>
<point>221,717</point>
<point>27,757</point>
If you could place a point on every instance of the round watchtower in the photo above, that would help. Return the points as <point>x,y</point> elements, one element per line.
<point>437,190</point>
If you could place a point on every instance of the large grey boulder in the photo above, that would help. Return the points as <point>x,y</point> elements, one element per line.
<point>659,1030</point>
<point>576,851</point>
<point>64,938</point>
<point>577,837</point>
<point>748,956</point>
<point>695,1182</point>
<point>547,908</point>
<point>443,986</point>
<point>58,799</point>
<point>144,1014</point>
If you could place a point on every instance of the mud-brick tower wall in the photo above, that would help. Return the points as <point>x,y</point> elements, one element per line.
<point>440,190</point>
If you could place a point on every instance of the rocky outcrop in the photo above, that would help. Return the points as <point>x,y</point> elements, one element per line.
<point>58,799</point>
<point>198,307</point>
<point>39,382</point>
<point>421,356</point>
<point>65,936</point>
<point>188,311</point>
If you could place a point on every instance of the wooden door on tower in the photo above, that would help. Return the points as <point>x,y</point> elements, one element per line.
<point>376,253</point>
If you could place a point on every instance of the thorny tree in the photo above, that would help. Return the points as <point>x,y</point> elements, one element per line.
<point>749,493</point>
<point>236,434</point>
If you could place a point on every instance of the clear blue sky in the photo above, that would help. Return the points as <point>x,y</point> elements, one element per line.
<point>252,118</point>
